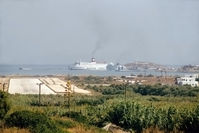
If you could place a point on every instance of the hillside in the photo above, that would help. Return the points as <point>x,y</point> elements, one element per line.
<point>147,66</point>
<point>189,68</point>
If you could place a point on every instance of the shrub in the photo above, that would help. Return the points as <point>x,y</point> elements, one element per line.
<point>91,101</point>
<point>136,117</point>
<point>129,116</point>
<point>36,122</point>
<point>65,123</point>
<point>4,105</point>
<point>97,115</point>
<point>76,116</point>
<point>189,121</point>
<point>163,90</point>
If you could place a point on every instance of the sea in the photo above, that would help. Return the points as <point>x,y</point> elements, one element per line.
<point>47,70</point>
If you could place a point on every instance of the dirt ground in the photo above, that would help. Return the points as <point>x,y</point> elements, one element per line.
<point>29,85</point>
<point>59,86</point>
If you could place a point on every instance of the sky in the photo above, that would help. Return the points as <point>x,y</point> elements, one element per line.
<point>65,31</point>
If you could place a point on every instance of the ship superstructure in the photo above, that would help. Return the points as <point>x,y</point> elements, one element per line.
<point>116,67</point>
<point>93,65</point>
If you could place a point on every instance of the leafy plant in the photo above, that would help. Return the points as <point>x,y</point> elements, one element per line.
<point>36,122</point>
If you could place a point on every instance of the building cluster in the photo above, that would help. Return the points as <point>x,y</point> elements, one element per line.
<point>188,80</point>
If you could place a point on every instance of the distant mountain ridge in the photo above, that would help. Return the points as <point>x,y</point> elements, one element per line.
<point>147,66</point>
<point>189,68</point>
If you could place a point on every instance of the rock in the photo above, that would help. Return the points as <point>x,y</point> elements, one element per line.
<point>114,128</point>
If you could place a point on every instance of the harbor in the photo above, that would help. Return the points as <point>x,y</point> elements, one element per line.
<point>36,70</point>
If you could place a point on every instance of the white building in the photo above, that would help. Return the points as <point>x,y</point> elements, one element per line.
<point>188,80</point>
<point>192,75</point>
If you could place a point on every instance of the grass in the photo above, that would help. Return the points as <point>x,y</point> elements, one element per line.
<point>71,126</point>
<point>23,102</point>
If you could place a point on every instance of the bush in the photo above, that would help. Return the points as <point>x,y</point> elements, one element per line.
<point>4,105</point>
<point>97,115</point>
<point>36,122</point>
<point>155,90</point>
<point>90,101</point>
<point>136,117</point>
<point>111,90</point>
<point>189,121</point>
<point>163,90</point>
<point>76,116</point>
<point>132,116</point>
<point>65,123</point>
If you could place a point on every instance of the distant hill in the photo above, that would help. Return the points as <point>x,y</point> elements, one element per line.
<point>147,66</point>
<point>189,68</point>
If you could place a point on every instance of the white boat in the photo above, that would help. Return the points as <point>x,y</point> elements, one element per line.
<point>25,69</point>
<point>93,65</point>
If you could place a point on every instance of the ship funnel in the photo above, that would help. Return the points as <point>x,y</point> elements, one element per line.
<point>92,59</point>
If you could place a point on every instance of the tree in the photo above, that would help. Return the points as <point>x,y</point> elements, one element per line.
<point>4,105</point>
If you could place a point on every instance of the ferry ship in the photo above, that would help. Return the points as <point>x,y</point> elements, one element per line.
<point>93,65</point>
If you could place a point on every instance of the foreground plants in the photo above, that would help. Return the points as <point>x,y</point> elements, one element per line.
<point>135,117</point>
<point>136,114</point>
<point>35,122</point>
<point>4,105</point>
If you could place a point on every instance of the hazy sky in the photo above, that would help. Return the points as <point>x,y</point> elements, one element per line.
<point>64,31</point>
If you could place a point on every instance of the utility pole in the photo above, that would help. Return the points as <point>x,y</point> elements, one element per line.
<point>125,86</point>
<point>125,93</point>
<point>40,92</point>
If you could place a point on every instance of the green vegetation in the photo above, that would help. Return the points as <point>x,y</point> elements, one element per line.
<point>65,123</point>
<point>164,90</point>
<point>34,121</point>
<point>90,79</point>
<point>109,90</point>
<point>137,117</point>
<point>156,90</point>
<point>47,118</point>
<point>158,107</point>
<point>91,101</point>
<point>4,105</point>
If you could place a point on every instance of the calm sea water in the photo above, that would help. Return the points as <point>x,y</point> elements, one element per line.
<point>63,70</point>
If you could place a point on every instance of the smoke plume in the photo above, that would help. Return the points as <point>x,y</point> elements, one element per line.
<point>101,30</point>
